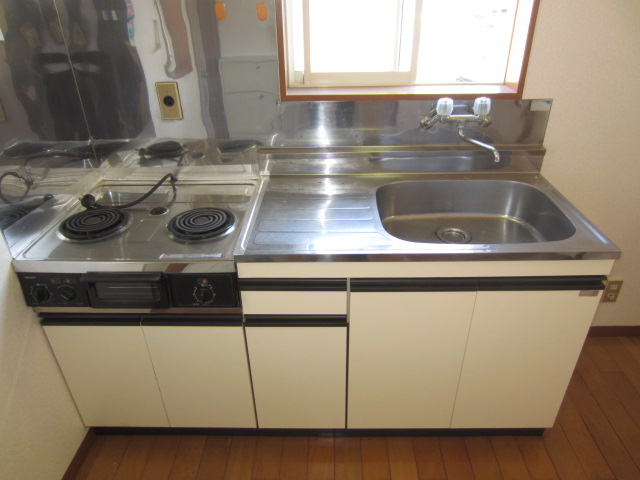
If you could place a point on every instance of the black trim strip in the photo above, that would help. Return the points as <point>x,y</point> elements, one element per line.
<point>91,321</point>
<point>165,320</point>
<point>541,283</point>
<point>295,320</point>
<point>413,285</point>
<point>220,320</point>
<point>88,316</point>
<point>293,284</point>
<point>338,432</point>
<point>587,282</point>
<point>441,432</point>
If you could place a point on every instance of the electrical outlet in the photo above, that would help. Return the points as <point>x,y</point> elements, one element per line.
<point>540,105</point>
<point>169,100</point>
<point>611,291</point>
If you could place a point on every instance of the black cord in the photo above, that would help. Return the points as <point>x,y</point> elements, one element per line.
<point>89,201</point>
<point>26,181</point>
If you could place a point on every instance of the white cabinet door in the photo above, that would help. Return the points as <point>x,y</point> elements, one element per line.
<point>405,356</point>
<point>299,375</point>
<point>203,375</point>
<point>109,374</point>
<point>522,349</point>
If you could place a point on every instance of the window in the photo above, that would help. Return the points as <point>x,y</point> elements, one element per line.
<point>404,48</point>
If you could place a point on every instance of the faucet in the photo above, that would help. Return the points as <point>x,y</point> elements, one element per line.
<point>444,113</point>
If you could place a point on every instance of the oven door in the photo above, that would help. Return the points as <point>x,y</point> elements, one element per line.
<point>126,290</point>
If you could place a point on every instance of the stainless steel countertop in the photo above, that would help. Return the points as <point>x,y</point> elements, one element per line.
<point>333,217</point>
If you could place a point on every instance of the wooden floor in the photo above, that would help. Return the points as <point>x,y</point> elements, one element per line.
<point>596,436</point>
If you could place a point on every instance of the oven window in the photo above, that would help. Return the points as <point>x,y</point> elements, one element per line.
<point>127,292</point>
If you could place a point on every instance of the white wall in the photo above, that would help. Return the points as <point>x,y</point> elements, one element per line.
<point>40,428</point>
<point>586,56</point>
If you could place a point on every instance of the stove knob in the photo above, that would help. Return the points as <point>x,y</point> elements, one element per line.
<point>40,294</point>
<point>66,293</point>
<point>204,295</point>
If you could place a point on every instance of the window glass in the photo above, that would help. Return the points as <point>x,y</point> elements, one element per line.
<point>355,36</point>
<point>470,47</point>
<point>351,43</point>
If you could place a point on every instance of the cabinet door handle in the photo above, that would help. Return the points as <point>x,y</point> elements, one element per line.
<point>169,320</point>
<point>293,284</point>
<point>594,282</point>
<point>295,320</point>
<point>88,319</point>
<point>413,285</point>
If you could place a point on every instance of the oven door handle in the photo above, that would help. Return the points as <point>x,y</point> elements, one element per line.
<point>127,277</point>
<point>126,290</point>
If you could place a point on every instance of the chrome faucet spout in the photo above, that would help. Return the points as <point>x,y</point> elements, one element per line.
<point>444,113</point>
<point>491,148</point>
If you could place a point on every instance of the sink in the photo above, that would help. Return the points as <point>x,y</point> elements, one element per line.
<point>471,211</point>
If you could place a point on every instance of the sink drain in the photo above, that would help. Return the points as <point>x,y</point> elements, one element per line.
<point>453,235</point>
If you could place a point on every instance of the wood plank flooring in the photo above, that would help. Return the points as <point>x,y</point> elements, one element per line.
<point>596,436</point>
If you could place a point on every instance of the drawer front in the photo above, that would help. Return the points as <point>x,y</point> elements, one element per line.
<point>294,303</point>
<point>294,296</point>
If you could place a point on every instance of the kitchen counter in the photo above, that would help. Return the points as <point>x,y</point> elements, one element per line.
<point>334,217</point>
<point>331,298</point>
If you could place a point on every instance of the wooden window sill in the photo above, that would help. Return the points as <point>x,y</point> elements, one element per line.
<point>418,92</point>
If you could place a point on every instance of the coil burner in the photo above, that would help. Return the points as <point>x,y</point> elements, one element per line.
<point>95,224</point>
<point>12,214</point>
<point>201,224</point>
<point>161,151</point>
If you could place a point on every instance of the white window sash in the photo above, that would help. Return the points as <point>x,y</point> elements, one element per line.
<point>307,78</point>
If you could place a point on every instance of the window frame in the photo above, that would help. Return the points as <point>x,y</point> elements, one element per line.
<point>511,89</point>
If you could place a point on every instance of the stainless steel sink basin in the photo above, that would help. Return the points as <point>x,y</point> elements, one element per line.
<point>471,211</point>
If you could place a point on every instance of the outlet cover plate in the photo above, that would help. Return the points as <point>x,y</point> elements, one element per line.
<point>169,100</point>
<point>611,291</point>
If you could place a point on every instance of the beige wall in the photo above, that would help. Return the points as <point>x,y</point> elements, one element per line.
<point>40,429</point>
<point>586,56</point>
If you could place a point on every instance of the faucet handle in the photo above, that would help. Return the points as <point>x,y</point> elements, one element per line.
<point>444,106</point>
<point>482,106</point>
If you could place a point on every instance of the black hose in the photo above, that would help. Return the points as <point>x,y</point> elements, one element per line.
<point>89,201</point>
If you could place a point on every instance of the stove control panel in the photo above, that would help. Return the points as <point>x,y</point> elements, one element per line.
<point>131,290</point>
<point>53,290</point>
<point>204,290</point>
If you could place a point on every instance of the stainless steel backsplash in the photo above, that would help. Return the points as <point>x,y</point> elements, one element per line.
<point>81,69</point>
